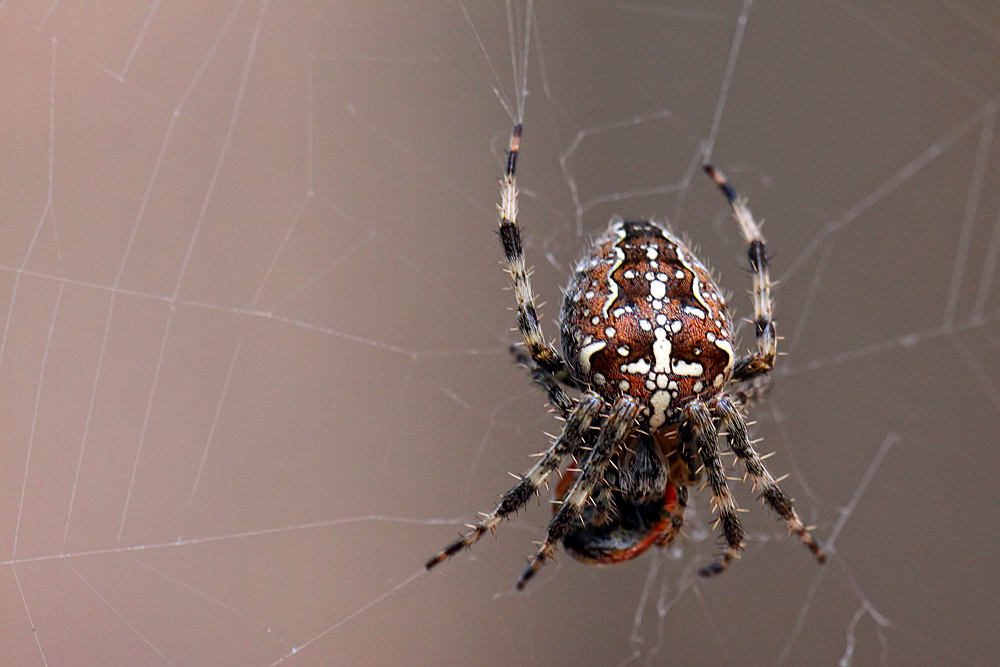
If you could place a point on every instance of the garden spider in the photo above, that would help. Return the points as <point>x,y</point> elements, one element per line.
<point>647,340</point>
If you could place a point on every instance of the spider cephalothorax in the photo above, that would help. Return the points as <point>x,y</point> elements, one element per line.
<point>647,340</point>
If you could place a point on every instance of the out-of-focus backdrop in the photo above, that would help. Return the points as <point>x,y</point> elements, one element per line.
<point>253,331</point>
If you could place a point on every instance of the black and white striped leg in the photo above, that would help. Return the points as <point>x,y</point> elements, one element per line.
<point>614,434</point>
<point>574,431</point>
<point>541,351</point>
<point>698,427</point>
<point>762,360</point>
<point>739,441</point>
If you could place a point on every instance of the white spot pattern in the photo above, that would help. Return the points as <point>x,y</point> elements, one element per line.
<point>640,367</point>
<point>697,312</point>
<point>689,369</point>
<point>661,402</point>
<point>661,351</point>
<point>656,315</point>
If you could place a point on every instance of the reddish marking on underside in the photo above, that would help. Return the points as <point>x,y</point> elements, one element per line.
<point>658,531</point>
<point>661,530</point>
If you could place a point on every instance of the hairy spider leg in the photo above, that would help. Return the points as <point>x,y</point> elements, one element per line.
<point>761,361</point>
<point>549,383</point>
<point>739,441</point>
<point>614,433</point>
<point>699,418</point>
<point>574,431</point>
<point>698,428</point>
<point>542,352</point>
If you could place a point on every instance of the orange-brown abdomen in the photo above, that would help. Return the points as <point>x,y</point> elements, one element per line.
<point>643,317</point>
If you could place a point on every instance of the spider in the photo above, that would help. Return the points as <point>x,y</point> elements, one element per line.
<point>648,343</point>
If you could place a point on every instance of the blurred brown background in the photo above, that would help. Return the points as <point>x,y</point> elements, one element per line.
<point>253,368</point>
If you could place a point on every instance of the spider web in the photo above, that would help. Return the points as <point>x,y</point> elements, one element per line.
<point>254,363</point>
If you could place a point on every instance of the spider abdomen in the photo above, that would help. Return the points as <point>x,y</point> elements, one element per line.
<point>643,317</point>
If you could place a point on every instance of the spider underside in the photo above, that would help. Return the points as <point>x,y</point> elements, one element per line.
<point>647,340</point>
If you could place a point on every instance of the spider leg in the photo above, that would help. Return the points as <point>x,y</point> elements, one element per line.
<point>698,427</point>
<point>613,435</point>
<point>772,495</point>
<point>542,352</point>
<point>762,360</point>
<point>750,390</point>
<point>576,427</point>
<point>552,384</point>
<point>687,450</point>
